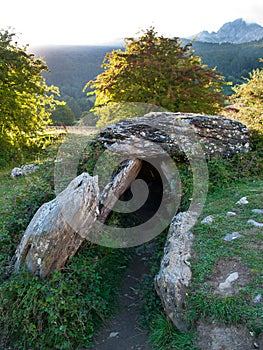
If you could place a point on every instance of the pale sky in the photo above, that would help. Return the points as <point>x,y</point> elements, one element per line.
<point>85,22</point>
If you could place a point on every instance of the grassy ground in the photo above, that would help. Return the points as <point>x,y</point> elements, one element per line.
<point>8,187</point>
<point>212,261</point>
<point>215,259</point>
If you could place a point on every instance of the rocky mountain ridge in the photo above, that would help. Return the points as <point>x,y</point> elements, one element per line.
<point>235,32</point>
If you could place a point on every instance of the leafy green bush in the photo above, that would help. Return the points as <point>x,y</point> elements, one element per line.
<point>248,97</point>
<point>64,311</point>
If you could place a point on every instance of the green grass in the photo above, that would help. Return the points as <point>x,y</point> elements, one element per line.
<point>9,187</point>
<point>211,249</point>
<point>164,336</point>
<point>209,244</point>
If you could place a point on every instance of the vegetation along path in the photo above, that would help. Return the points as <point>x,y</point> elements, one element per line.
<point>123,330</point>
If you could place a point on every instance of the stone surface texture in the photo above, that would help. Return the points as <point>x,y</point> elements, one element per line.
<point>119,184</point>
<point>59,227</point>
<point>176,132</point>
<point>174,277</point>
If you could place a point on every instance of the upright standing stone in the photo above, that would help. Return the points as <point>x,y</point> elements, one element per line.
<point>173,279</point>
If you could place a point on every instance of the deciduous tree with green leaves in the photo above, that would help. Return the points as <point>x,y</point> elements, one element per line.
<point>62,115</point>
<point>249,99</point>
<point>160,71</point>
<point>25,99</point>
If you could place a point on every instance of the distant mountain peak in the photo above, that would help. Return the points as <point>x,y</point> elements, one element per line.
<point>236,32</point>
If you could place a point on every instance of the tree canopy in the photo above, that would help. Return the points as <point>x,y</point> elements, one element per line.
<point>160,71</point>
<point>72,66</point>
<point>249,99</point>
<point>62,115</point>
<point>25,99</point>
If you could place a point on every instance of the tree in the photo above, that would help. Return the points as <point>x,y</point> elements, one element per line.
<point>73,104</point>
<point>62,115</point>
<point>159,71</point>
<point>25,99</point>
<point>249,100</point>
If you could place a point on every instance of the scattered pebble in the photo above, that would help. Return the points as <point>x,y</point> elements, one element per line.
<point>242,200</point>
<point>16,172</point>
<point>232,277</point>
<point>257,211</point>
<point>254,223</point>
<point>230,214</point>
<point>232,236</point>
<point>227,284</point>
<point>257,299</point>
<point>208,220</point>
<point>114,334</point>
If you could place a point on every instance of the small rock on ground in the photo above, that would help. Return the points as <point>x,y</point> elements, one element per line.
<point>208,220</point>
<point>242,201</point>
<point>257,211</point>
<point>232,236</point>
<point>254,223</point>
<point>230,214</point>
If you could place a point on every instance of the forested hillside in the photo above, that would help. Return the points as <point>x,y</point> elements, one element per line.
<point>234,61</point>
<point>71,67</point>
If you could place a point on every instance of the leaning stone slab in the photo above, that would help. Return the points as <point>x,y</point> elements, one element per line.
<point>174,277</point>
<point>119,184</point>
<point>59,227</point>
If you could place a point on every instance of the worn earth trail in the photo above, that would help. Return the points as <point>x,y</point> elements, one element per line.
<point>123,330</point>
